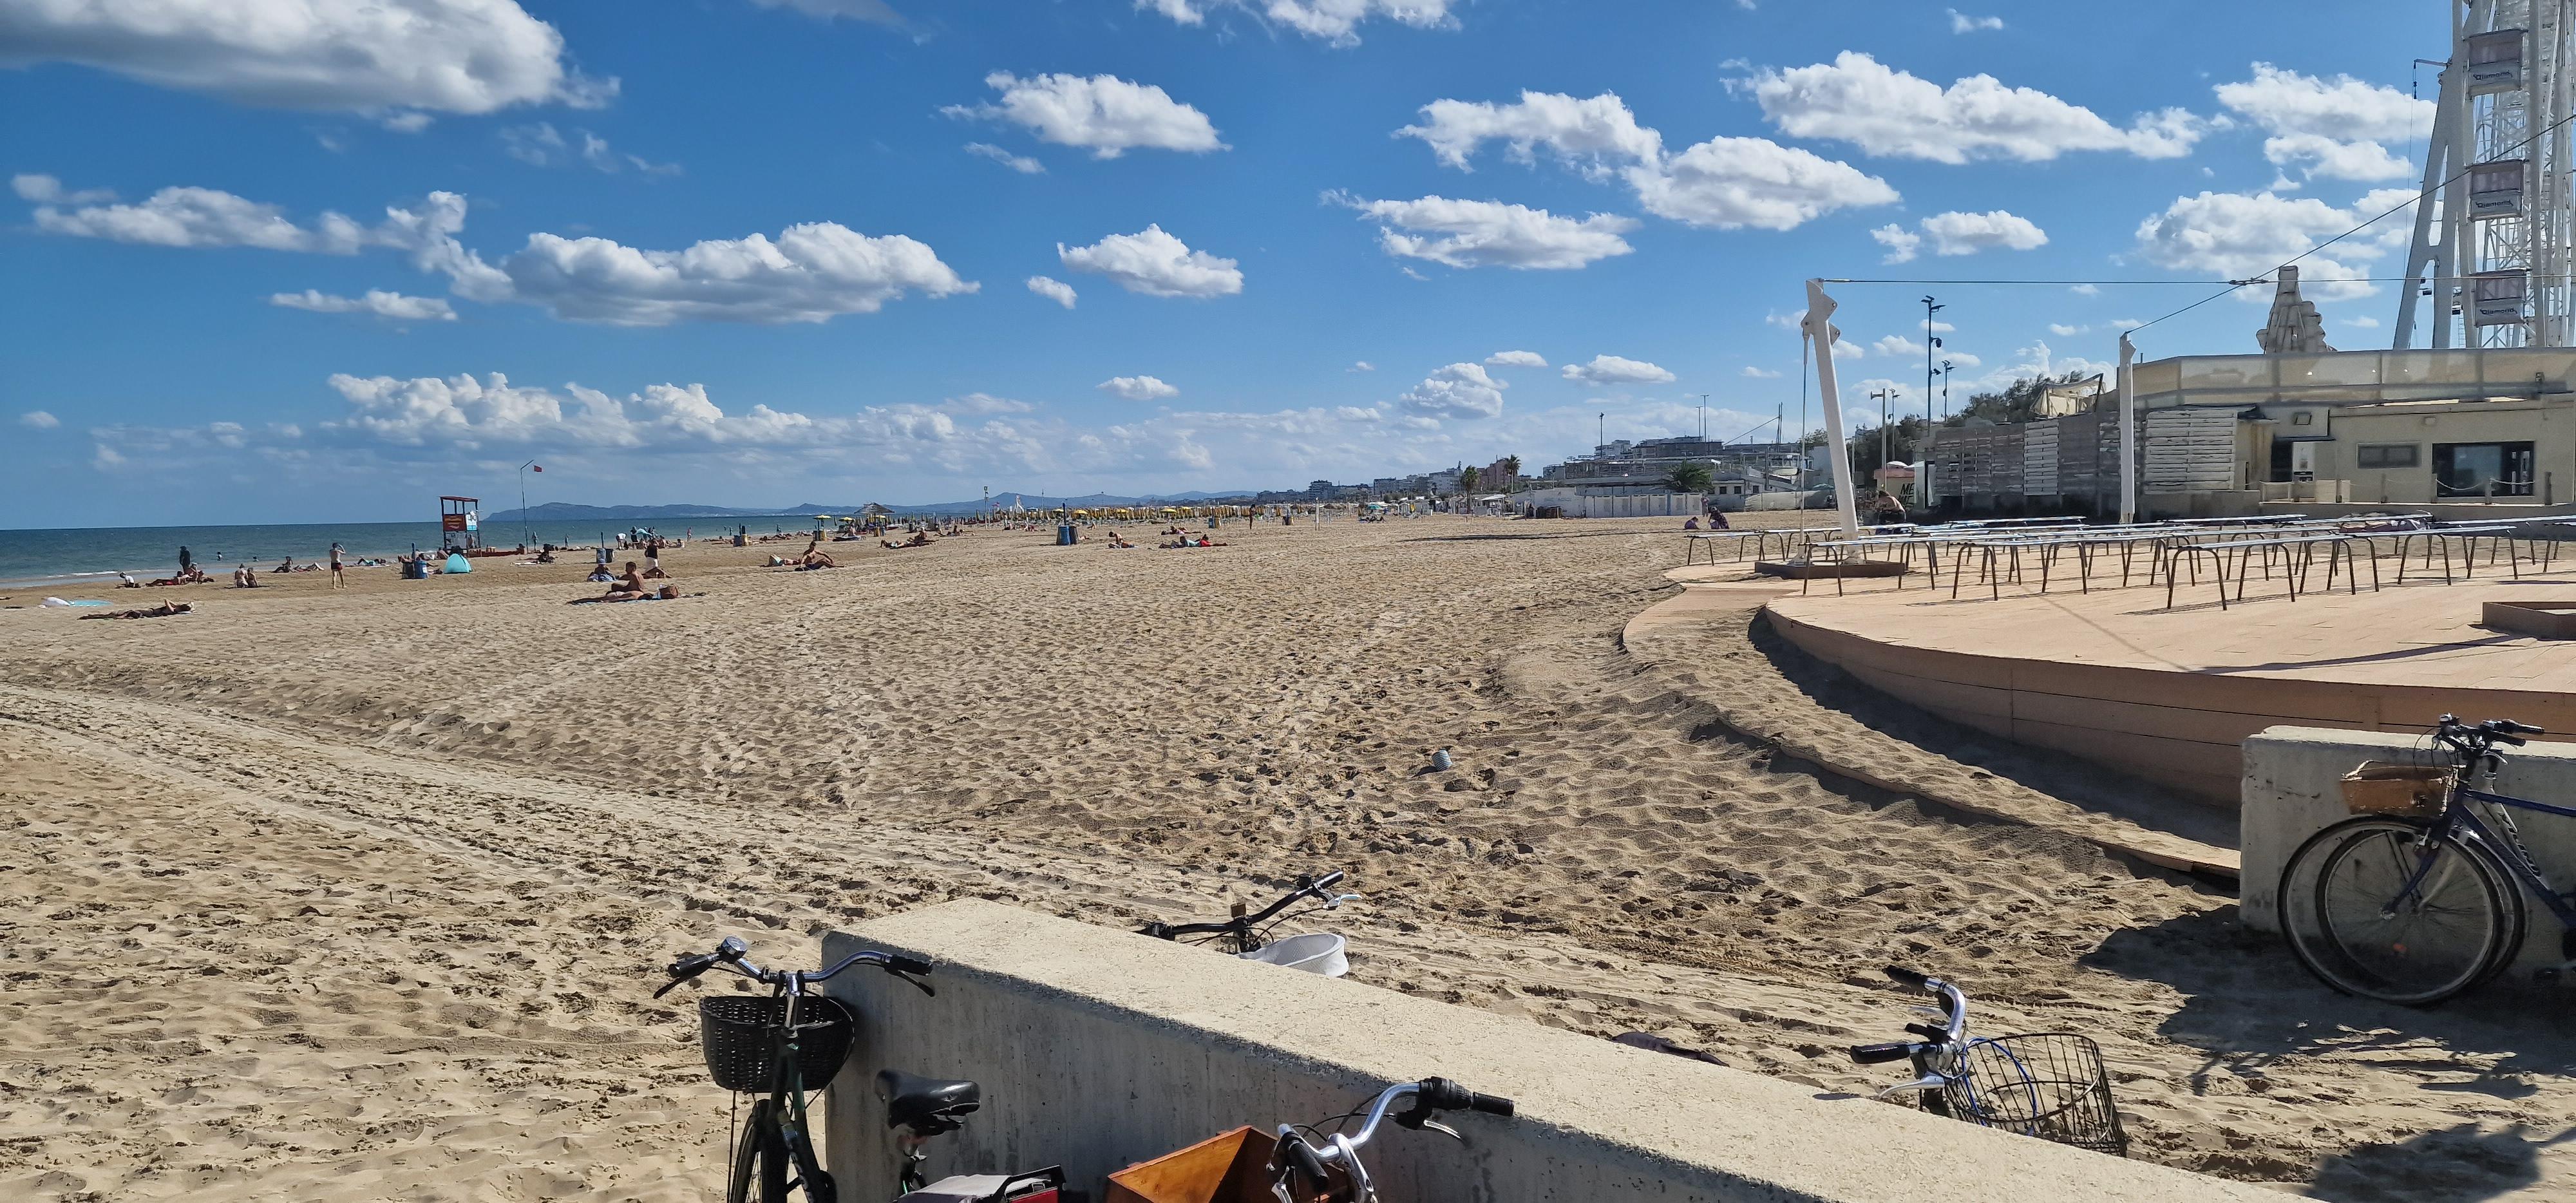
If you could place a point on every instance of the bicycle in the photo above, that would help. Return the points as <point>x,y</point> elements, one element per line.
<point>776,1044</point>
<point>1303,1170</point>
<point>2051,1085</point>
<point>1248,935</point>
<point>2422,897</point>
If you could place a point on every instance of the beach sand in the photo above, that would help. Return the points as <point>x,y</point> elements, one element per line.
<point>358,895</point>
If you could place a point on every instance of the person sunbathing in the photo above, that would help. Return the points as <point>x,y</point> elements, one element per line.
<point>164,610</point>
<point>285,565</point>
<point>816,559</point>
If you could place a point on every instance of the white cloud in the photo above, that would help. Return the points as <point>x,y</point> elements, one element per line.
<point>2321,157</point>
<point>986,403</point>
<point>1845,349</point>
<point>873,11</point>
<point>451,56</point>
<point>1735,182</point>
<point>1333,21</point>
<point>1962,23</point>
<point>1138,388</point>
<point>1900,242</point>
<point>2030,363</point>
<point>2329,128</point>
<point>2126,323</point>
<point>1460,390</point>
<point>37,419</point>
<point>1753,373</point>
<point>1592,133</point>
<point>1887,112</point>
<point>408,122</point>
<point>1611,369</point>
<point>1897,344</point>
<point>46,190</point>
<point>1052,289</point>
<point>1957,233</point>
<point>2361,322</point>
<point>1019,163</point>
<point>809,273</point>
<point>1361,366</point>
<point>377,302</point>
<point>1516,359</point>
<point>542,145</point>
<point>1108,115</point>
<point>1937,327</point>
<point>1728,183</point>
<point>1467,233</point>
<point>2063,330</point>
<point>205,217</point>
<point>1156,264</point>
<point>2085,290</point>
<point>2236,236</point>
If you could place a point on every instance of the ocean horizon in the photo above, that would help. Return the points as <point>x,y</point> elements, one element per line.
<point>67,556</point>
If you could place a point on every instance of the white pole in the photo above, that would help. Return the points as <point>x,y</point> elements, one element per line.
<point>1821,335</point>
<point>2128,430</point>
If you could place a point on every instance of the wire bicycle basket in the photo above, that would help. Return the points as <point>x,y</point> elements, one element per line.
<point>2051,1085</point>
<point>736,1032</point>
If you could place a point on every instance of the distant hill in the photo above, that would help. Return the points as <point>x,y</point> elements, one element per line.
<point>564,511</point>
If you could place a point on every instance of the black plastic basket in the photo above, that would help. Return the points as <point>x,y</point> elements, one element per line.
<point>736,1032</point>
<point>2048,1084</point>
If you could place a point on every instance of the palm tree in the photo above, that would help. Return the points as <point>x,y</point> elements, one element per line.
<point>1467,481</point>
<point>1691,478</point>
<point>1511,472</point>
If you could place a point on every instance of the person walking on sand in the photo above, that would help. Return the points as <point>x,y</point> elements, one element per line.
<point>187,563</point>
<point>337,581</point>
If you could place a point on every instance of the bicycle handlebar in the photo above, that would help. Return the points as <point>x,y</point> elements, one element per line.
<point>1430,1096</point>
<point>1307,887</point>
<point>730,956</point>
<point>1954,1014</point>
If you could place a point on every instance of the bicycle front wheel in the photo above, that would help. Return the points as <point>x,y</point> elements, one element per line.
<point>759,1160</point>
<point>2375,910</point>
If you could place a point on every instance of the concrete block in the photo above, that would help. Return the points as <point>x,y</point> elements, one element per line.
<point>1097,1048</point>
<point>2290,793</point>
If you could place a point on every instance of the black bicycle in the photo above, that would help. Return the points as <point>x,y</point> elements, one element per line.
<point>2052,1085</point>
<point>773,1046</point>
<point>2422,894</point>
<point>1244,932</point>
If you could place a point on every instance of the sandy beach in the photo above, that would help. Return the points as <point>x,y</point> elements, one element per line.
<point>355,895</point>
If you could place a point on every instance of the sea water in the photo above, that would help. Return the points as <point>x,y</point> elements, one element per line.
<point>32,559</point>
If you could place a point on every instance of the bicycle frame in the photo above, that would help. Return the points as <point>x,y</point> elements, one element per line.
<point>787,1095</point>
<point>2459,817</point>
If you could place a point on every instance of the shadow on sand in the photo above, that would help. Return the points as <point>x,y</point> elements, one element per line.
<point>2248,1008</point>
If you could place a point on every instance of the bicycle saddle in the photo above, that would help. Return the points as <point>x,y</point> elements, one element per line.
<point>927,1105</point>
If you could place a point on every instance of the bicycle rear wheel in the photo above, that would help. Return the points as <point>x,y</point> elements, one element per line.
<point>2352,921</point>
<point>759,1160</point>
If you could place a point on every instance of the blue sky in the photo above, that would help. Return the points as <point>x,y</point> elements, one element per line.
<point>314,260</point>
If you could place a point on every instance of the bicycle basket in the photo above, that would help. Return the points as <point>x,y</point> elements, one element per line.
<point>2050,1085</point>
<point>2384,787</point>
<point>736,1031</point>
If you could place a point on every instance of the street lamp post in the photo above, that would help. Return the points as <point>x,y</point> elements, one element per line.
<point>1886,399</point>
<point>1945,388</point>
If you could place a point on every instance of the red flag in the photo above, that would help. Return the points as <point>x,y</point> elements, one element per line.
<point>537,467</point>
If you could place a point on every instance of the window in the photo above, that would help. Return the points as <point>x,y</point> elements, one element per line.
<point>2483,469</point>
<point>2389,455</point>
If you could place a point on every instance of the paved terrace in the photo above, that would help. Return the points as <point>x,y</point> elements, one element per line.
<point>2167,694</point>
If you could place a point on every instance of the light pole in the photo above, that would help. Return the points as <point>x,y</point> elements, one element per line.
<point>1930,344</point>
<point>1703,417</point>
<point>1886,399</point>
<point>1945,388</point>
<point>1601,433</point>
<point>525,535</point>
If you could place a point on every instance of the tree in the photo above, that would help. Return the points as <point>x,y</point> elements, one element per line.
<point>1467,481</point>
<point>1691,478</point>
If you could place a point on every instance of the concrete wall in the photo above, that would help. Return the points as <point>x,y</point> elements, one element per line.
<point>2548,424</point>
<point>1097,1048</point>
<point>2291,794</point>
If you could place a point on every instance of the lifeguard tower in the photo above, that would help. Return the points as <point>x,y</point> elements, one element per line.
<point>459,524</point>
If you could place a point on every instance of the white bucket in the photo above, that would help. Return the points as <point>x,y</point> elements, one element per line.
<point>1320,952</point>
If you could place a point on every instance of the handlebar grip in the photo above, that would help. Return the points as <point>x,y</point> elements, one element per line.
<point>898,963</point>
<point>1300,1159</point>
<point>1909,977</point>
<point>1873,1054</point>
<point>2516,741</point>
<point>1328,880</point>
<point>1490,1104</point>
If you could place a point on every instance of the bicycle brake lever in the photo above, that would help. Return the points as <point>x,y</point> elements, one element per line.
<point>1444,1129</point>
<point>926,987</point>
<point>1926,1082</point>
<point>669,986</point>
<point>1335,902</point>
